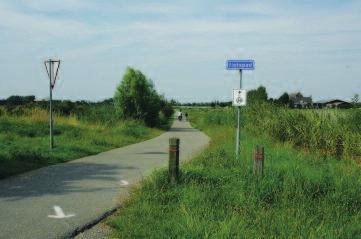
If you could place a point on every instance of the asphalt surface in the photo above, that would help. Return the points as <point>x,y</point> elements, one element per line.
<point>86,187</point>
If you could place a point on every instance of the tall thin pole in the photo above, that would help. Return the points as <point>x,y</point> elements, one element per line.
<point>51,108</point>
<point>238,136</point>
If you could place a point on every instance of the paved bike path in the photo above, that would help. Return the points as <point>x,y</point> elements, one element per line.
<point>86,187</point>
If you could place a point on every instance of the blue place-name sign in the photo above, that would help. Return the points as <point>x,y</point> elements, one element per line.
<point>240,65</point>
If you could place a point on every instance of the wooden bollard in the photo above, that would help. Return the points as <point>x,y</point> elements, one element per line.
<point>339,147</point>
<point>173,173</point>
<point>258,160</point>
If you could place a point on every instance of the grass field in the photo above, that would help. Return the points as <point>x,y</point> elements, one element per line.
<point>333,132</point>
<point>24,138</point>
<point>302,194</point>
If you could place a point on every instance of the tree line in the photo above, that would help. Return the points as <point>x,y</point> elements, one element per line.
<point>134,98</point>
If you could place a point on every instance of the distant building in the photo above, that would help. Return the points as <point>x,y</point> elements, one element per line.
<point>332,104</point>
<point>299,101</point>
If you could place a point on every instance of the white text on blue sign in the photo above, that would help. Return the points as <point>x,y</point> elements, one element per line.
<point>240,65</point>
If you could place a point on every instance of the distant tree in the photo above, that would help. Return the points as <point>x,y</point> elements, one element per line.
<point>29,98</point>
<point>136,98</point>
<point>258,95</point>
<point>355,99</point>
<point>20,100</point>
<point>107,101</point>
<point>284,99</point>
<point>225,104</point>
<point>83,102</point>
<point>66,107</point>
<point>174,102</point>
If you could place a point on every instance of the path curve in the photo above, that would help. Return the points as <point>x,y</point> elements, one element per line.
<point>86,187</point>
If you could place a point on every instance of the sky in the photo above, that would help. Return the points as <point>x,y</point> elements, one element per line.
<point>308,46</point>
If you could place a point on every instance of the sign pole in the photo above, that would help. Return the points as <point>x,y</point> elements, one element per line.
<point>50,103</point>
<point>53,74</point>
<point>239,95</point>
<point>238,119</point>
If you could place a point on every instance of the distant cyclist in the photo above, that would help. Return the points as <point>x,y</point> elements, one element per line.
<point>179,115</point>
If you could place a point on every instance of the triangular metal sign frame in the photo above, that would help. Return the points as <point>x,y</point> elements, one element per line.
<point>47,63</point>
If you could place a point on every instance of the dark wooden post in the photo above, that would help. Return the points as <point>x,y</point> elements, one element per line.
<point>339,147</point>
<point>258,160</point>
<point>173,173</point>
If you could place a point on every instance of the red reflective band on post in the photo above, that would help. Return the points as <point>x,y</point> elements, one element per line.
<point>173,149</point>
<point>258,156</point>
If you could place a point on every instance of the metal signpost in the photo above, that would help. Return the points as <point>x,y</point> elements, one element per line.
<point>52,68</point>
<point>239,95</point>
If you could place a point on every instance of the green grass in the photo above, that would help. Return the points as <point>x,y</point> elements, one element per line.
<point>301,195</point>
<point>329,132</point>
<point>24,140</point>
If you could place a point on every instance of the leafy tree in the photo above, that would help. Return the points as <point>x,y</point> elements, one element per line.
<point>174,102</point>
<point>136,98</point>
<point>166,107</point>
<point>225,104</point>
<point>66,107</point>
<point>109,101</point>
<point>258,95</point>
<point>215,103</point>
<point>20,100</point>
<point>284,99</point>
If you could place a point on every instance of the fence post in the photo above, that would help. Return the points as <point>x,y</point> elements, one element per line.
<point>258,160</point>
<point>339,147</point>
<point>173,173</point>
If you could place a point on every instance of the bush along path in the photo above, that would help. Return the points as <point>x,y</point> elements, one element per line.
<point>59,200</point>
<point>301,195</point>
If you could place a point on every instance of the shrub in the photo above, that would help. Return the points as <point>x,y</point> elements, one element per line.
<point>20,100</point>
<point>258,95</point>
<point>136,98</point>
<point>166,108</point>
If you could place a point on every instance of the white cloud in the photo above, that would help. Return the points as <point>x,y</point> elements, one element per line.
<point>56,6</point>
<point>253,8</point>
<point>183,33</point>
<point>40,27</point>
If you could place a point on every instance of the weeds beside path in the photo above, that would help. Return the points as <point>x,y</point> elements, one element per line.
<point>301,195</point>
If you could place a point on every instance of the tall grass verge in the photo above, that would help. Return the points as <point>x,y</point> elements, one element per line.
<point>300,196</point>
<point>24,139</point>
<point>334,133</point>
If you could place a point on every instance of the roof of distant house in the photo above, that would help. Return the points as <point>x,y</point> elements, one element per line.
<point>330,101</point>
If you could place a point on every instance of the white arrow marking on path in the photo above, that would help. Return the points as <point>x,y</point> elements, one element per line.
<point>124,183</point>
<point>59,214</point>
